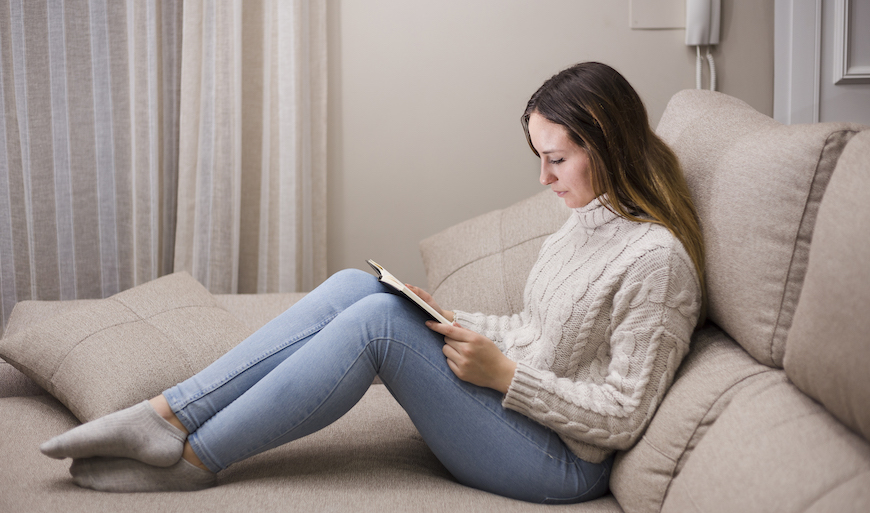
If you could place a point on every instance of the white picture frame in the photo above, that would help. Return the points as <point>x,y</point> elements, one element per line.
<point>846,70</point>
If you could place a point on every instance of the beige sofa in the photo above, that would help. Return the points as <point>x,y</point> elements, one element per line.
<point>769,412</point>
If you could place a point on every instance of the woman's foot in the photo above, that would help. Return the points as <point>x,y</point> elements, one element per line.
<point>138,432</point>
<point>126,475</point>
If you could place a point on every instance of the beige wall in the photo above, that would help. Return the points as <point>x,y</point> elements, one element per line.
<point>425,99</point>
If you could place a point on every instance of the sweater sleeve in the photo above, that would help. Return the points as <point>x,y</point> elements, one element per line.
<point>492,327</point>
<point>608,403</point>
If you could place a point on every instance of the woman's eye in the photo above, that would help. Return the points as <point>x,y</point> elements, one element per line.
<point>559,161</point>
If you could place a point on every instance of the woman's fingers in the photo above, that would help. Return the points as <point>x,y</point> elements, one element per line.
<point>454,331</point>
<point>425,296</point>
<point>420,292</point>
<point>475,358</point>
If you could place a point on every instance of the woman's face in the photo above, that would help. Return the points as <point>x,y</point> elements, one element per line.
<point>564,165</point>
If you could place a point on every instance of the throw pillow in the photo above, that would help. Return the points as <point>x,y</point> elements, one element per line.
<point>116,352</point>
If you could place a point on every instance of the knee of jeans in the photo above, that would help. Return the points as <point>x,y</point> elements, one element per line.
<point>353,278</point>
<point>382,304</point>
<point>385,309</point>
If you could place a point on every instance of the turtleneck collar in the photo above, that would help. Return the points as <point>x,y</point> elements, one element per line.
<point>594,214</point>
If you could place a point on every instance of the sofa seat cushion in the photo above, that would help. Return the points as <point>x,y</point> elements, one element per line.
<point>112,353</point>
<point>757,185</point>
<point>370,460</point>
<point>828,350</point>
<point>714,371</point>
<point>774,449</point>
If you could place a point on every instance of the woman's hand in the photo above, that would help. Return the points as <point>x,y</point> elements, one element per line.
<point>475,358</point>
<point>425,296</point>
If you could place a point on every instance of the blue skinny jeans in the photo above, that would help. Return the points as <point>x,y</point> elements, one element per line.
<point>310,365</point>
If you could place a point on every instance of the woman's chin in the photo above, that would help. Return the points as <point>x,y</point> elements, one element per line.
<point>571,202</point>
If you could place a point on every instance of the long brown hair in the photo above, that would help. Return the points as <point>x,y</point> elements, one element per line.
<point>639,173</point>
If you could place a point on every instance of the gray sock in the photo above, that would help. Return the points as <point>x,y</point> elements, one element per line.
<point>137,432</point>
<point>126,475</point>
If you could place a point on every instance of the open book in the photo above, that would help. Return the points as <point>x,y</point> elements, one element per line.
<point>384,276</point>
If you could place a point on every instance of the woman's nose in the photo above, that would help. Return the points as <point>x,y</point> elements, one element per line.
<point>546,177</point>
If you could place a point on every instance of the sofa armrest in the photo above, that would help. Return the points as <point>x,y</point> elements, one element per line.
<point>481,264</point>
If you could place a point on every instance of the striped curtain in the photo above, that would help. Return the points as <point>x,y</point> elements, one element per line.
<point>140,137</point>
<point>252,187</point>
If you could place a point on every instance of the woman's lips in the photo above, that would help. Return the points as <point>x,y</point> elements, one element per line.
<point>561,193</point>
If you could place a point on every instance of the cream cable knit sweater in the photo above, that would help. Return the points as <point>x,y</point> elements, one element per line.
<point>609,308</point>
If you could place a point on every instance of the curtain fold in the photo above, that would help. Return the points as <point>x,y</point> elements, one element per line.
<point>252,164</point>
<point>88,145</point>
<point>140,137</point>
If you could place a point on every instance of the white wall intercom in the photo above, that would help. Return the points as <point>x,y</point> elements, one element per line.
<point>702,29</point>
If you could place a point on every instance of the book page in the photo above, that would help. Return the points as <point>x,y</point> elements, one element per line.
<point>386,277</point>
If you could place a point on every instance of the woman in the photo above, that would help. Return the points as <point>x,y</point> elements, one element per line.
<point>530,406</point>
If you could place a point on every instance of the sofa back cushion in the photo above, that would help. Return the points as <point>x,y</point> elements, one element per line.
<point>828,350</point>
<point>715,370</point>
<point>481,265</point>
<point>757,185</point>
<point>774,449</point>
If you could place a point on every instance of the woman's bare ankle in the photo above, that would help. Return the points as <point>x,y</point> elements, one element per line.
<point>191,457</point>
<point>161,406</point>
